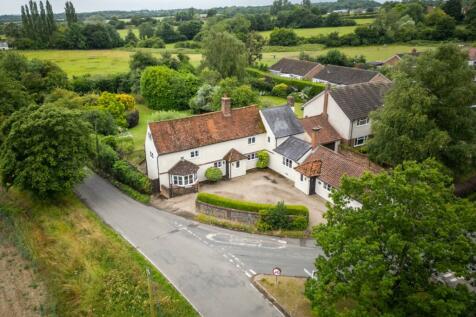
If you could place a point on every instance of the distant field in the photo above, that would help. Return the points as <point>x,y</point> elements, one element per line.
<point>124,32</point>
<point>364,21</point>
<point>100,62</point>
<point>318,31</point>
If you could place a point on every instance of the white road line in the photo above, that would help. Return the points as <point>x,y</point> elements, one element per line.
<point>226,256</point>
<point>231,261</point>
<point>252,272</point>
<point>248,274</point>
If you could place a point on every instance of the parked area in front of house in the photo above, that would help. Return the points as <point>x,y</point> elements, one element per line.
<point>263,186</point>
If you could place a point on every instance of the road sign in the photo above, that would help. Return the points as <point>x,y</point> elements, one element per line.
<point>277,271</point>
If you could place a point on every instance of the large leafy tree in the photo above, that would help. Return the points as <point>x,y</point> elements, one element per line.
<point>225,53</point>
<point>45,150</point>
<point>382,259</point>
<point>428,114</point>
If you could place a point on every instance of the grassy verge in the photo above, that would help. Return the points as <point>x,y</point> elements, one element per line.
<point>288,292</point>
<point>88,269</point>
<point>237,226</point>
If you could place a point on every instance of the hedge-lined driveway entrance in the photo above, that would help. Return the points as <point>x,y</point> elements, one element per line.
<point>259,186</point>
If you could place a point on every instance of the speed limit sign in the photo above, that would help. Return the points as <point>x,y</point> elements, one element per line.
<point>277,271</point>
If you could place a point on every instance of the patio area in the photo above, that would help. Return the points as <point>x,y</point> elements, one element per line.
<point>259,186</point>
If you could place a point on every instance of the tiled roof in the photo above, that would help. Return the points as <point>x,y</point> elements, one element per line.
<point>472,54</point>
<point>192,132</point>
<point>183,167</point>
<point>334,165</point>
<point>342,75</point>
<point>327,134</point>
<point>233,156</point>
<point>282,121</point>
<point>357,101</point>
<point>310,169</point>
<point>293,148</point>
<point>293,66</point>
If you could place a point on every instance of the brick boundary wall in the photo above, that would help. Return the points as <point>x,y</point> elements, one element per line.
<point>250,218</point>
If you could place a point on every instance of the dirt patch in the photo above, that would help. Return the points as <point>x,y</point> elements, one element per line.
<point>21,293</point>
<point>288,293</point>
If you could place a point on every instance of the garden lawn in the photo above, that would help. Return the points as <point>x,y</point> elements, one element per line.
<point>87,268</point>
<point>274,101</point>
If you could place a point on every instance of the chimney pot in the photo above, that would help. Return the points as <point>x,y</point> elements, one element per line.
<point>315,137</point>
<point>291,101</point>
<point>226,106</point>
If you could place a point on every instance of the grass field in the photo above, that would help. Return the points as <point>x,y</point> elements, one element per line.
<point>318,31</point>
<point>124,32</point>
<point>87,268</point>
<point>274,101</point>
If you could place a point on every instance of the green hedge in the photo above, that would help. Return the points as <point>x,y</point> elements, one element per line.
<point>295,210</point>
<point>300,84</point>
<point>129,175</point>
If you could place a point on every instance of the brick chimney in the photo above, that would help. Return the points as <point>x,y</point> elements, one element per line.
<point>315,137</point>
<point>226,106</point>
<point>291,101</point>
<point>326,99</point>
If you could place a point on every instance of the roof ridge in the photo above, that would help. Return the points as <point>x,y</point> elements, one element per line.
<point>201,115</point>
<point>339,155</point>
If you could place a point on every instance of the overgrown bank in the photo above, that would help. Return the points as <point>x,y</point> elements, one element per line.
<point>88,269</point>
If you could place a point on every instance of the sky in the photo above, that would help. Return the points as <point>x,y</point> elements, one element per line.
<point>13,6</point>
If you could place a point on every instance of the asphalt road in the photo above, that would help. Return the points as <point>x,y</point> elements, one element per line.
<point>210,266</point>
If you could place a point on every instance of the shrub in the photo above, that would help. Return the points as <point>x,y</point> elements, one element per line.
<point>263,159</point>
<point>283,37</point>
<point>280,90</point>
<point>129,175</point>
<point>188,44</point>
<point>132,118</point>
<point>153,42</point>
<point>212,199</point>
<point>278,218</point>
<point>106,157</point>
<point>213,174</point>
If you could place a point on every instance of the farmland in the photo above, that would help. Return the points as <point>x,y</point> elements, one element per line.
<point>318,31</point>
<point>100,62</point>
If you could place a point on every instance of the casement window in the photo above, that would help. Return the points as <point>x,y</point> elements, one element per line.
<point>237,164</point>
<point>363,121</point>
<point>287,162</point>
<point>252,140</point>
<point>269,139</point>
<point>251,156</point>
<point>361,140</point>
<point>302,178</point>
<point>218,164</point>
<point>151,154</point>
<point>327,186</point>
<point>184,180</point>
<point>194,153</point>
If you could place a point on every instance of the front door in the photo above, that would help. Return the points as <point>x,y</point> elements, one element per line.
<point>312,185</point>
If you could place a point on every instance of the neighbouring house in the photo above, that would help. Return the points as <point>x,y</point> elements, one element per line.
<point>4,46</point>
<point>295,68</point>
<point>472,56</point>
<point>178,152</point>
<point>342,76</point>
<point>395,59</point>
<point>347,109</point>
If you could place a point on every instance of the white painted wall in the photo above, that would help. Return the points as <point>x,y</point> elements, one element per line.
<point>363,130</point>
<point>315,106</point>
<point>151,156</point>
<point>302,185</point>
<point>237,171</point>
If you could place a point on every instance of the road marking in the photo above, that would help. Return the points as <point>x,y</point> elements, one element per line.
<point>230,239</point>
<point>248,274</point>
<point>311,275</point>
<point>252,272</point>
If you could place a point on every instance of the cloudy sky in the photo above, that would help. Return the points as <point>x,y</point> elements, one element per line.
<point>13,6</point>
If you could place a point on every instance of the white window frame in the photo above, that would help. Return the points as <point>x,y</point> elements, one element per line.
<point>327,187</point>
<point>252,156</point>
<point>218,164</point>
<point>184,180</point>
<point>237,164</point>
<point>360,141</point>
<point>194,154</point>
<point>362,121</point>
<point>151,154</point>
<point>287,162</point>
<point>252,140</point>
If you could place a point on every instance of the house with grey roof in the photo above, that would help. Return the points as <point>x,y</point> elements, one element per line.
<point>347,109</point>
<point>342,76</point>
<point>295,68</point>
<point>4,46</point>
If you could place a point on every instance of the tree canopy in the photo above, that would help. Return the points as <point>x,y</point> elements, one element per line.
<point>382,259</point>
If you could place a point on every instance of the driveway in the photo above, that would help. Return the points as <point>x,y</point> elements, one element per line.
<point>210,266</point>
<point>260,186</point>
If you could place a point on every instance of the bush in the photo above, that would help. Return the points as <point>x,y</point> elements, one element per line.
<point>106,157</point>
<point>111,83</point>
<point>263,159</point>
<point>129,175</point>
<point>132,118</point>
<point>213,174</point>
<point>153,42</point>
<point>283,37</point>
<point>188,44</point>
<point>278,218</point>
<point>212,199</point>
<point>280,90</point>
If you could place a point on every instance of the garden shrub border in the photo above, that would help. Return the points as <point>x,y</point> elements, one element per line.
<point>212,199</point>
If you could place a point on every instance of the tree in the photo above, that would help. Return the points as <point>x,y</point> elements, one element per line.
<point>141,60</point>
<point>241,95</point>
<point>306,3</point>
<point>254,46</point>
<point>454,9</point>
<point>13,96</point>
<point>443,24</point>
<point>224,53</point>
<point>283,37</point>
<point>437,119</point>
<point>131,38</point>
<point>166,89</point>
<point>45,150</point>
<point>167,32</point>
<point>146,30</point>
<point>381,259</point>
<point>70,13</point>
<point>190,28</point>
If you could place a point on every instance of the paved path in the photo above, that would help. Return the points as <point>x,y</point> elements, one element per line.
<point>210,266</point>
